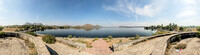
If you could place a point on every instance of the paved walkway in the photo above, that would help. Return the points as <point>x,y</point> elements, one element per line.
<point>100,47</point>
<point>144,48</point>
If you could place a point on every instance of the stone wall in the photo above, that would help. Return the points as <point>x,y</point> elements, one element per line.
<point>160,47</point>
<point>39,44</point>
<point>78,45</point>
<point>120,46</point>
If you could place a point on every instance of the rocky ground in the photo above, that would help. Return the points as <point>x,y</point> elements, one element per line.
<point>193,47</point>
<point>144,48</point>
<point>13,46</point>
<point>61,49</point>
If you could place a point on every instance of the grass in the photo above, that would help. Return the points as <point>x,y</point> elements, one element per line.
<point>181,46</point>
<point>136,37</point>
<point>96,38</point>
<point>32,33</point>
<point>160,32</point>
<point>31,47</point>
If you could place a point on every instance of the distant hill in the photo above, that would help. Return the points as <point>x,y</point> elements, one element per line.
<point>90,25</point>
<point>27,23</point>
<point>132,26</point>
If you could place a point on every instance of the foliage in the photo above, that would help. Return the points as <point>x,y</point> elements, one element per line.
<point>160,32</point>
<point>31,33</point>
<point>174,43</point>
<point>1,28</point>
<point>181,46</point>
<point>131,38</point>
<point>170,27</point>
<point>181,29</point>
<point>81,41</point>
<point>198,28</point>
<point>89,46</point>
<point>110,37</point>
<point>74,36</point>
<point>198,34</point>
<point>69,36</point>
<point>120,41</point>
<point>105,38</point>
<point>96,38</point>
<point>137,37</point>
<point>179,37</point>
<point>2,34</point>
<point>49,39</point>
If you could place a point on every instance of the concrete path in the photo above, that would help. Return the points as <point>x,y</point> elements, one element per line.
<point>100,47</point>
<point>144,48</point>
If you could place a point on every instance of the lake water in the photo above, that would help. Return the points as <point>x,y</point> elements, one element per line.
<point>100,32</point>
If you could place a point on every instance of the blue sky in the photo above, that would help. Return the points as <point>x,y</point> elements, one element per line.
<point>102,12</point>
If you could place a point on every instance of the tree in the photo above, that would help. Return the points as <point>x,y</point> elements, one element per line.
<point>1,28</point>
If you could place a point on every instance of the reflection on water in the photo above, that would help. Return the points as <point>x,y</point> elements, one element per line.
<point>98,32</point>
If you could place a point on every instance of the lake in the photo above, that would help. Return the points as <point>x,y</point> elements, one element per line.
<point>99,32</point>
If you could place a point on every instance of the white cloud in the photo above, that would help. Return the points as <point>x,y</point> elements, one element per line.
<point>187,13</point>
<point>190,1</point>
<point>1,18</point>
<point>130,8</point>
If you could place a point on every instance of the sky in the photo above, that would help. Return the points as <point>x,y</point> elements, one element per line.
<point>101,12</point>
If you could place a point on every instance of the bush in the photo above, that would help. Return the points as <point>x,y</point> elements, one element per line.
<point>74,36</point>
<point>69,36</point>
<point>131,38</point>
<point>31,33</point>
<point>198,28</point>
<point>120,41</point>
<point>1,28</point>
<point>179,37</point>
<point>96,38</point>
<point>110,37</point>
<point>174,43</point>
<point>181,46</point>
<point>137,37</point>
<point>2,34</point>
<point>105,38</point>
<point>49,39</point>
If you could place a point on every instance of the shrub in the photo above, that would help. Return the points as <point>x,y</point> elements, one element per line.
<point>181,46</point>
<point>174,43</point>
<point>131,38</point>
<point>69,36</point>
<point>89,46</point>
<point>74,36</point>
<point>2,34</point>
<point>81,41</point>
<point>105,38</point>
<point>1,28</point>
<point>110,37</point>
<point>49,39</point>
<point>179,37</point>
<point>96,38</point>
<point>137,37</point>
<point>120,41</point>
<point>31,33</point>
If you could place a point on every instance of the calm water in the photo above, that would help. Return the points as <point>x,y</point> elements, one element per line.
<point>102,32</point>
